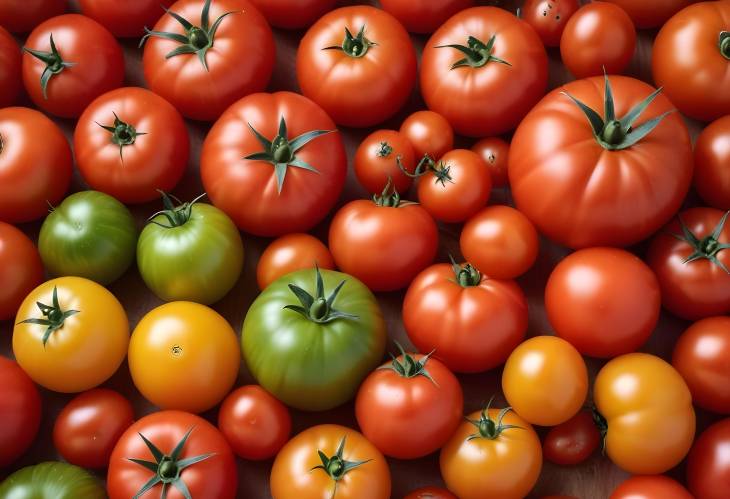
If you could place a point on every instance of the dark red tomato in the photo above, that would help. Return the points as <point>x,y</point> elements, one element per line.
<point>227,53</point>
<point>21,16</point>
<point>69,61</point>
<point>651,13</point>
<point>431,493</point>
<point>89,426</point>
<point>572,442</point>
<point>708,466</point>
<point>21,269</point>
<point>429,133</point>
<point>650,487</point>
<point>495,153</point>
<point>291,252</point>
<point>10,63</point>
<point>293,14</point>
<point>33,172</point>
<point>125,19</point>
<point>424,16</point>
<point>548,18</point>
<point>712,157</point>
<point>254,422</point>
<point>693,268</point>
<point>377,161</point>
<point>20,411</point>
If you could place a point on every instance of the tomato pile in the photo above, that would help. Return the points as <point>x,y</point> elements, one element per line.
<point>406,248</point>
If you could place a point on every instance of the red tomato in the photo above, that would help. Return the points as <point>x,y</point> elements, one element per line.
<point>471,321</point>
<point>33,173</point>
<point>125,19</point>
<point>651,13</point>
<point>365,79</point>
<point>21,16</point>
<point>377,161</point>
<point>293,14</point>
<point>548,18</point>
<point>429,133</point>
<point>271,163</point>
<point>693,268</point>
<point>502,76</point>
<point>20,411</point>
<point>495,153</point>
<point>650,487</point>
<point>424,16</point>
<point>289,253</point>
<point>708,468</point>
<point>431,493</point>
<point>712,157</point>
<point>69,61</point>
<point>254,422</point>
<point>573,441</point>
<point>21,269</point>
<point>225,55</point>
<point>10,63</point>
<point>89,426</point>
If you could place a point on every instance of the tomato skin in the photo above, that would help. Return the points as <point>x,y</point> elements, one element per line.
<point>650,487</point>
<point>548,18</point>
<point>21,269</point>
<point>89,426</point>
<point>712,155</point>
<point>293,14</point>
<point>431,493</point>
<point>10,64</point>
<point>651,13</point>
<point>21,16</point>
<point>708,472</point>
<point>290,253</point>
<point>254,422</point>
<point>362,91</point>
<point>429,133</point>
<point>20,411</point>
<point>573,441</point>
<point>375,163</point>
<point>52,480</point>
<point>124,20</point>
<point>495,153</point>
<point>424,16</point>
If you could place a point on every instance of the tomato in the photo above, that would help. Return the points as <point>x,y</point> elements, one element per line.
<point>587,187</point>
<point>712,155</point>
<point>130,143</point>
<point>429,133</point>
<point>500,241</point>
<point>209,56</point>
<point>293,14</point>
<point>645,410</point>
<point>89,426</point>
<point>191,251</point>
<point>184,355</point>
<point>71,334</point>
<point>9,68</point>
<point>692,269</point>
<point>599,38</point>
<point>431,493</point>
<point>545,380</point>
<point>52,480</point>
<point>385,242</point>
<point>379,159</point>
<point>495,153</point>
<point>548,18</point>
<point>650,487</point>
<point>708,470</point>
<point>32,174</point>
<point>651,13</point>
<point>21,269</point>
<point>691,59</point>
<point>124,19</point>
<point>255,424</point>
<point>289,253</point>
<point>325,327</point>
<point>424,16</point>
<point>358,63</point>
<point>573,441</point>
<point>408,408</point>
<point>69,61</point>
<point>470,320</point>
<point>494,453</point>
<point>91,235</point>
<point>172,454</point>
<point>330,461</point>
<point>274,163</point>
<point>20,411</point>
<point>701,357</point>
<point>483,70</point>
<point>21,16</point>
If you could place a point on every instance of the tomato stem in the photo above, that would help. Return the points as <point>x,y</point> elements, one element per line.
<point>389,198</point>
<point>489,428</point>
<point>54,316</point>
<point>477,53</point>
<point>602,424</point>
<point>318,308</point>
<point>123,134</point>
<point>466,276</point>
<point>706,248</point>
<point>385,150</point>
<point>54,64</point>
<point>410,367</point>
<point>724,44</point>
<point>177,216</point>
<point>337,466</point>
<point>354,46</point>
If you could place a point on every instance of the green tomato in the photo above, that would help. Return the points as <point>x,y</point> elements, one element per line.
<point>51,480</point>
<point>312,336</point>
<point>190,252</point>
<point>90,234</point>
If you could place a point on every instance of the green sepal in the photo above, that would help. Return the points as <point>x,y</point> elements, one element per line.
<point>176,214</point>
<point>336,466</point>
<point>354,46</point>
<point>476,52</point>
<point>489,428</point>
<point>318,308</point>
<point>409,367</point>
<point>54,64</point>
<point>706,248</point>
<point>54,316</point>
<point>123,134</point>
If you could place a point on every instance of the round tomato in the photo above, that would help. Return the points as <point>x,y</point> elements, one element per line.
<point>645,411</point>
<point>89,426</point>
<point>470,321</point>
<point>585,183</point>
<point>131,143</point>
<point>52,480</point>
<point>573,441</point>
<point>424,16</point>
<point>325,327</point>
<point>651,13</point>
<point>125,19</point>
<point>483,70</point>
<point>208,55</point>
<point>708,469</point>
<point>545,380</point>
<point>71,334</point>
<point>358,63</point>
<point>293,14</point>
<point>691,59</point>
<point>21,16</point>
<point>274,163</point>
<point>191,251</point>
<point>32,173</point>
<point>289,253</point>
<point>255,424</point>
<point>20,411</point>
<point>379,159</point>
<point>185,356</point>
<point>548,18</point>
<point>712,157</point>
<point>9,68</point>
<point>409,408</point>
<point>691,258</point>
<point>62,75</point>
<point>21,269</point>
<point>172,454</point>
<point>429,133</point>
<point>495,153</point>
<point>650,487</point>
<point>431,493</point>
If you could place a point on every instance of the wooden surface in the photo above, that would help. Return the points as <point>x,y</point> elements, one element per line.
<point>592,480</point>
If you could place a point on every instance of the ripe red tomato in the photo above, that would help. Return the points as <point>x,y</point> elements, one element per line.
<point>712,157</point>
<point>69,61</point>
<point>708,468</point>
<point>21,16</point>
<point>377,161</point>
<point>227,53</point>
<point>21,269</point>
<point>429,133</point>
<point>431,493</point>
<point>289,253</point>
<point>651,13</point>
<point>424,16</point>
<point>365,79</point>
<point>10,63</point>
<point>548,18</point>
<point>89,426</point>
<point>293,14</point>
<point>20,411</point>
<point>495,153</point>
<point>573,441</point>
<point>274,163</point>
<point>692,269</point>
<point>125,19</point>
<point>254,422</point>
<point>502,76</point>
<point>650,487</point>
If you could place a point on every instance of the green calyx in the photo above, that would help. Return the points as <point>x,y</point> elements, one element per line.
<point>489,428</point>
<point>354,46</point>
<point>602,426</point>
<point>706,248</point>
<point>409,367</point>
<point>441,171</point>
<point>337,466</point>
<point>54,64</point>
<point>167,468</point>
<point>466,275</point>
<point>196,40</point>
<point>389,198</point>
<point>123,134</point>
<point>385,150</point>
<point>476,52</point>
<point>318,308</point>
<point>176,215</point>
<point>724,44</point>
<point>54,316</point>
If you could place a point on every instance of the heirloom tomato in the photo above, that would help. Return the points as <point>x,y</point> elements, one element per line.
<point>424,16</point>
<point>20,411</point>
<point>431,493</point>
<point>651,13</point>
<point>291,252</point>
<point>573,441</point>
<point>125,19</point>
<point>293,14</point>
<point>495,153</point>
<point>21,16</point>
<point>712,164</point>
<point>650,487</point>
<point>52,480</point>
<point>708,469</point>
<point>10,64</point>
<point>21,269</point>
<point>429,133</point>
<point>548,18</point>
<point>379,159</point>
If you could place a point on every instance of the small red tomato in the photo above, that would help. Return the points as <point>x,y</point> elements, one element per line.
<point>431,493</point>
<point>20,411</point>
<point>650,487</point>
<point>377,161</point>
<point>429,133</point>
<point>495,153</point>
<point>10,64</point>
<point>548,18</point>
<point>572,442</point>
<point>708,466</point>
<point>712,164</point>
<point>21,269</point>
<point>289,253</point>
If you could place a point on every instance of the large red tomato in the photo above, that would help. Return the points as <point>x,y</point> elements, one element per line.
<point>10,63</point>
<point>712,160</point>
<point>587,181</point>
<point>650,487</point>
<point>20,411</point>
<point>651,13</point>
<point>21,269</point>
<point>424,16</point>
<point>708,466</point>
<point>274,163</point>
<point>483,70</point>
<point>21,16</point>
<point>548,18</point>
<point>125,19</point>
<point>293,14</point>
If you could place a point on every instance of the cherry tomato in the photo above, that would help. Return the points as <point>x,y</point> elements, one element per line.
<point>424,16</point>
<point>431,493</point>
<point>10,64</point>
<point>21,16</point>
<point>21,269</point>
<point>548,18</point>
<point>293,14</point>
<point>573,441</point>
<point>712,157</point>
<point>708,469</point>
<point>495,153</point>
<point>125,19</point>
<point>429,133</point>
<point>650,487</point>
<point>651,13</point>
<point>20,411</point>
<point>377,161</point>
<point>289,253</point>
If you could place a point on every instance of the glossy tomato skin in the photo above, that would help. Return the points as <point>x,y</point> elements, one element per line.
<point>424,16</point>
<point>712,155</point>
<point>52,480</point>
<point>573,441</point>
<point>31,175</point>
<point>89,426</point>
<point>431,493</point>
<point>293,14</point>
<point>495,153</point>
<point>20,411</point>
<point>125,20</point>
<point>650,487</point>
<point>290,253</point>
<point>648,412</point>
<point>21,16</point>
<point>357,91</point>
<point>708,472</point>
<point>21,269</point>
<point>465,96</point>
<point>182,80</point>
<point>247,189</point>
<point>10,64</point>
<point>429,133</point>
<point>548,18</point>
<point>651,13</point>
<point>376,161</point>
<point>618,207</point>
